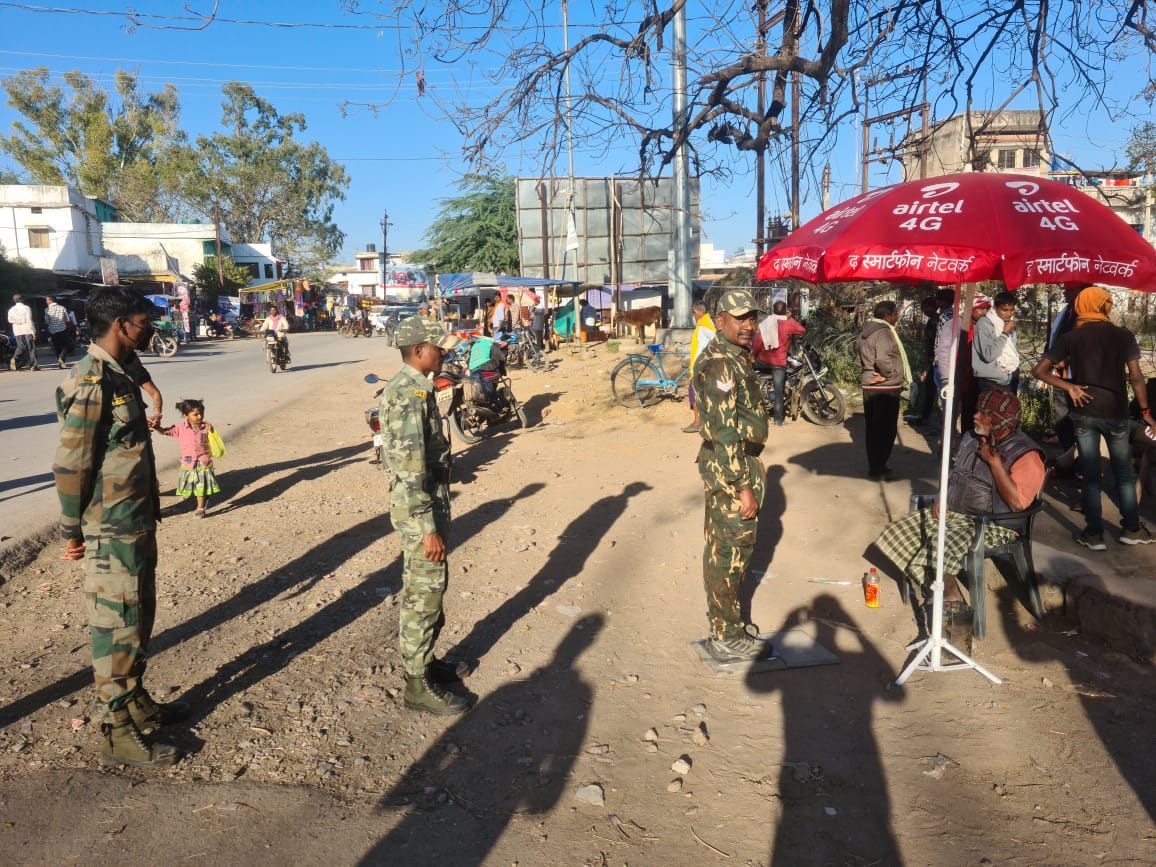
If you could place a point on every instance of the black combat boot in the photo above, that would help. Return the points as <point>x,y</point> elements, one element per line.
<point>125,745</point>
<point>445,671</point>
<point>421,694</point>
<point>150,715</point>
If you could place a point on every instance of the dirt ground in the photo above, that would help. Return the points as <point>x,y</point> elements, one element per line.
<point>575,585</point>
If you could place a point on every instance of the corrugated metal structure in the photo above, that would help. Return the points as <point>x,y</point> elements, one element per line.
<point>621,234</point>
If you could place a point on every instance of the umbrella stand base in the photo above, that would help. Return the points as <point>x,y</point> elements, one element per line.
<point>922,660</point>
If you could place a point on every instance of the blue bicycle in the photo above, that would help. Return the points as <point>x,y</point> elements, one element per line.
<point>641,380</point>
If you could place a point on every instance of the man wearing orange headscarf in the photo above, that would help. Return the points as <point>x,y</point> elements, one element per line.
<point>1103,359</point>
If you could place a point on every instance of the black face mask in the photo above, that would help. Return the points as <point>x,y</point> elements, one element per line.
<point>144,337</point>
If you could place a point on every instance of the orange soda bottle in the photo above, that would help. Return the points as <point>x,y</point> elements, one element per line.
<point>871,588</point>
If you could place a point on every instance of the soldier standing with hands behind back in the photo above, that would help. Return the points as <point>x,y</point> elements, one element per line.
<point>418,456</point>
<point>734,431</point>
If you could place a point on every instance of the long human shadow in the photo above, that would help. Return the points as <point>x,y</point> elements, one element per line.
<point>770,533</point>
<point>267,658</point>
<point>512,754</point>
<point>469,461</point>
<point>537,404</point>
<point>179,358</point>
<point>834,459</point>
<point>575,544</point>
<point>831,759</point>
<point>44,486</point>
<point>274,488</point>
<point>38,479</point>
<point>304,469</point>
<point>297,576</point>
<point>300,367</point>
<point>30,421</point>
<point>1123,721</point>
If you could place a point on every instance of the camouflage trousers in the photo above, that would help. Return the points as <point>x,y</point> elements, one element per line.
<point>730,542</point>
<point>120,591</point>
<point>421,617</point>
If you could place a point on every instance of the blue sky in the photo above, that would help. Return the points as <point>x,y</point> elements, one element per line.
<point>402,158</point>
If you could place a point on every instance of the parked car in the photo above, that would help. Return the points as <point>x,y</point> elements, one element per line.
<point>385,320</point>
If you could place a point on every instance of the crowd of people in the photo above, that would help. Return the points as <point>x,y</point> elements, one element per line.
<point>996,467</point>
<point>109,495</point>
<point>1090,363</point>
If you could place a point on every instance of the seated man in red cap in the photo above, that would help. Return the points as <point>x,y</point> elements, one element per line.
<point>998,468</point>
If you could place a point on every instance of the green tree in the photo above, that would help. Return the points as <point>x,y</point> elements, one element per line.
<point>1142,147</point>
<point>208,281</point>
<point>475,231</point>
<point>17,276</point>
<point>606,89</point>
<point>125,147</point>
<point>267,185</point>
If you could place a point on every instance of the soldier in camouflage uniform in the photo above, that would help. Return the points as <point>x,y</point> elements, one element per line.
<point>734,431</point>
<point>110,506</point>
<point>417,453</point>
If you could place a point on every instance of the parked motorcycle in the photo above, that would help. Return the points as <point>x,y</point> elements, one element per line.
<point>357,328</point>
<point>275,352</point>
<point>521,350</point>
<point>477,403</point>
<point>807,391</point>
<point>220,329</point>
<point>373,419</point>
<point>250,325</point>
<point>164,345</point>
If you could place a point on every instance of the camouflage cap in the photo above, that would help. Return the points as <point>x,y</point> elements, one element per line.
<point>737,302</point>
<point>417,329</point>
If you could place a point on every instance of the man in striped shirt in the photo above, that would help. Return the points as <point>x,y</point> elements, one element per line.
<point>56,319</point>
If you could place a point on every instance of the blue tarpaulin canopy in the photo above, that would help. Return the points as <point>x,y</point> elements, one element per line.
<point>449,284</point>
<point>162,301</point>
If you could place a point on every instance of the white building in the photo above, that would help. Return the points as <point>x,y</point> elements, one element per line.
<point>52,227</point>
<point>161,252</point>
<point>1017,142</point>
<point>259,260</point>
<point>58,229</point>
<point>364,278</point>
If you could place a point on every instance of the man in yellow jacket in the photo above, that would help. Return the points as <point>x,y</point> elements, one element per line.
<point>704,333</point>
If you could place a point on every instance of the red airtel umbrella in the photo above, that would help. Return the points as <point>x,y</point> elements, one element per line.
<point>963,229</point>
<point>967,228</point>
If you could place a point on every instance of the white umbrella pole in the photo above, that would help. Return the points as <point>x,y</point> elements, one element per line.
<point>930,655</point>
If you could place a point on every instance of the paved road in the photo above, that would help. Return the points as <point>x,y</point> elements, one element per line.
<point>230,376</point>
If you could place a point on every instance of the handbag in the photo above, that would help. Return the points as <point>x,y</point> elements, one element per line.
<point>216,444</point>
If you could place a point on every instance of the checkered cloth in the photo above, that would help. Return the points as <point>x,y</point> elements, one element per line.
<point>910,543</point>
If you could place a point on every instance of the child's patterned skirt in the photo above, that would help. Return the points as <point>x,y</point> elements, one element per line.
<point>197,482</point>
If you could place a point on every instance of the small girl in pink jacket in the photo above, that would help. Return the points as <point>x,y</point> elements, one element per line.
<point>192,435</point>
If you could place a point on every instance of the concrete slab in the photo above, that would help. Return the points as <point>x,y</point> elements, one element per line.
<point>1110,596</point>
<point>793,649</point>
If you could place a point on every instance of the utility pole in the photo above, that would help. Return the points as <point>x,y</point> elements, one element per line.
<point>679,279</point>
<point>761,155</point>
<point>571,237</point>
<point>384,250</point>
<point>217,232</point>
<point>885,154</point>
<point>796,91</point>
<point>826,186</point>
<point>762,236</point>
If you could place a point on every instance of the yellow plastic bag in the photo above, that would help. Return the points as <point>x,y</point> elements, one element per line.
<point>216,444</point>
